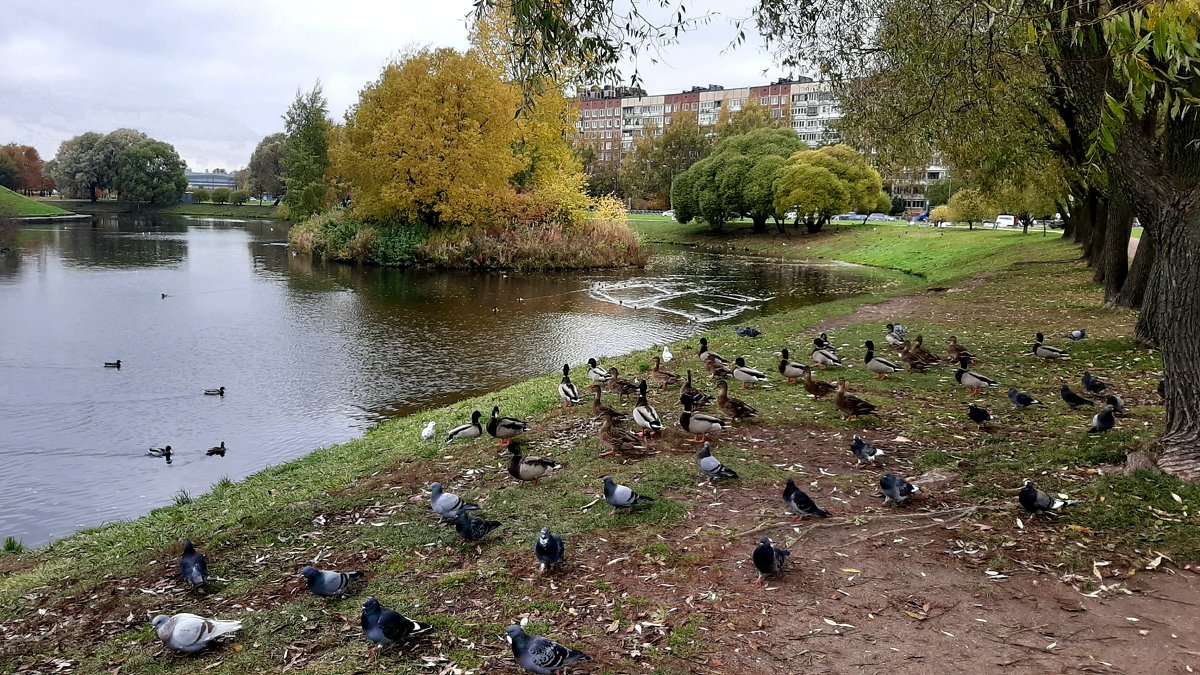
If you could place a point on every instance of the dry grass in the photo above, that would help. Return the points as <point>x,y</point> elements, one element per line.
<point>593,243</point>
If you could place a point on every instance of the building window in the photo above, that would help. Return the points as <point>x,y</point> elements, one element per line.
<point>762,100</point>
<point>774,100</point>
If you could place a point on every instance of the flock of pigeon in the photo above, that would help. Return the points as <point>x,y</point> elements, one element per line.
<point>165,451</point>
<point>385,627</point>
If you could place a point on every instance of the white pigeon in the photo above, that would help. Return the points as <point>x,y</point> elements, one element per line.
<point>667,355</point>
<point>427,432</point>
<point>188,633</point>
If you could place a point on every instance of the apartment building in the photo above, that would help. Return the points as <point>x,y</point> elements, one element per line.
<point>612,118</point>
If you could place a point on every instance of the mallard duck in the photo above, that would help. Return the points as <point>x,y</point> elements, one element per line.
<point>850,405</point>
<point>716,369</point>
<point>529,468</point>
<point>706,355</point>
<point>219,391</point>
<point>971,379</point>
<point>645,415</point>
<point>567,393</point>
<point>1094,385</point>
<point>616,440</point>
<point>164,451</point>
<point>955,351</point>
<point>505,428</point>
<point>895,335</point>
<point>699,398</point>
<point>699,424</point>
<point>663,378</point>
<point>734,407</point>
<point>816,387</point>
<point>745,374</point>
<point>472,429</point>
<point>601,409</point>
<point>711,467</point>
<point>1046,351</point>
<point>822,342</point>
<point>824,357</point>
<point>919,349</point>
<point>881,367</point>
<point>911,359</point>
<point>790,369</point>
<point>216,450</point>
<point>622,387</point>
<point>595,373</point>
<point>113,364</point>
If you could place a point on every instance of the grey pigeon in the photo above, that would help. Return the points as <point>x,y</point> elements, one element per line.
<point>1094,385</point>
<point>768,559</point>
<point>799,503</point>
<point>193,567</point>
<point>386,627</point>
<point>473,529</point>
<point>447,505</point>
<point>537,654</point>
<point>1077,334</point>
<point>1074,400</point>
<point>549,549</point>
<point>1036,501</point>
<point>620,497</point>
<point>1103,421</point>
<point>189,633</point>
<point>328,584</point>
<point>896,489</point>
<point>711,467</point>
<point>1021,399</point>
<point>864,452</point>
<point>748,331</point>
<point>1116,403</point>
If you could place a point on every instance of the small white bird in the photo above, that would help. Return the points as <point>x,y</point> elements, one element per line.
<point>427,432</point>
<point>667,355</point>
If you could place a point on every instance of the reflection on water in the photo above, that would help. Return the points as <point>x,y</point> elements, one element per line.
<point>310,354</point>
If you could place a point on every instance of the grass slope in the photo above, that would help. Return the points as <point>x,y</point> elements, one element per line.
<point>211,210</point>
<point>364,505</point>
<point>13,204</point>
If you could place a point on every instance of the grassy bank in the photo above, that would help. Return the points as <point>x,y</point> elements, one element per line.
<point>934,256</point>
<point>210,210</point>
<point>590,243</point>
<point>17,205</point>
<point>667,588</point>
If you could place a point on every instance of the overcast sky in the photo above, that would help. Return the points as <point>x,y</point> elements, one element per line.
<point>214,77</point>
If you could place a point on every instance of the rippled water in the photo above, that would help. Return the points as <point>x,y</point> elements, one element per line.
<point>310,354</point>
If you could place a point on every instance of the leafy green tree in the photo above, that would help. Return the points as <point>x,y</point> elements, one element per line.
<point>220,196</point>
<point>107,153</point>
<point>819,184</point>
<point>939,192</point>
<point>150,171</point>
<point>751,116</point>
<point>683,196</point>
<point>893,206</point>
<point>8,173</point>
<point>972,206</point>
<point>201,195</point>
<point>238,197</point>
<point>758,191</point>
<point>305,159</point>
<point>75,168</point>
<point>266,166</point>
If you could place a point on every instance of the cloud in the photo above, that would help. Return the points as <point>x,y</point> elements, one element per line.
<point>213,78</point>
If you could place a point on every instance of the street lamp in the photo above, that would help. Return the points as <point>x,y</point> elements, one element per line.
<point>670,185</point>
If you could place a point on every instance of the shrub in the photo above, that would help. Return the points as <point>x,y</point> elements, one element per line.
<point>238,197</point>
<point>201,195</point>
<point>940,214</point>
<point>220,196</point>
<point>12,545</point>
<point>338,235</point>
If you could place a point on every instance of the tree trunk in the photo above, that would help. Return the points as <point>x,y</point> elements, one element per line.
<point>1093,246</point>
<point>1113,265</point>
<point>92,192</point>
<point>760,224</point>
<point>1133,291</point>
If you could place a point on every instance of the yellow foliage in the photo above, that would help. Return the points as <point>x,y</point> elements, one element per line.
<point>431,140</point>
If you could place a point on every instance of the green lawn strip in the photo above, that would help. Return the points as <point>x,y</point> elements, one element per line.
<point>18,205</point>
<point>363,498</point>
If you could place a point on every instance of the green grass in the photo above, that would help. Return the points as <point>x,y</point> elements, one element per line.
<point>206,209</point>
<point>361,504</point>
<point>13,545</point>
<point>17,205</point>
<point>935,256</point>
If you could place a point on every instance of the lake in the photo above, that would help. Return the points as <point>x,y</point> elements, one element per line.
<point>310,354</point>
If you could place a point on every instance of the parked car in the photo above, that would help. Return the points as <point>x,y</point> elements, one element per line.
<point>669,213</point>
<point>790,216</point>
<point>880,217</point>
<point>848,216</point>
<point>1006,221</point>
